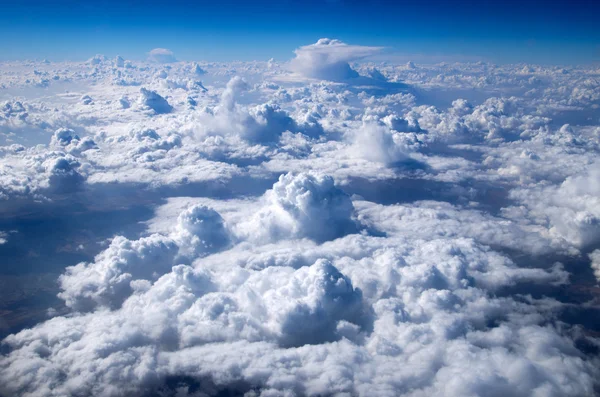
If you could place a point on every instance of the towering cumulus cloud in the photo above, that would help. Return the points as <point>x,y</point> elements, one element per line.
<point>304,205</point>
<point>161,55</point>
<point>200,231</point>
<point>259,124</point>
<point>153,101</point>
<point>328,59</point>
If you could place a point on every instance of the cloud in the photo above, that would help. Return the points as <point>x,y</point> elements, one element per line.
<point>304,205</point>
<point>63,176</point>
<point>27,123</point>
<point>595,263</point>
<point>119,61</point>
<point>377,143</point>
<point>97,59</point>
<point>263,233</point>
<point>161,55</point>
<point>198,70</point>
<point>571,210</point>
<point>201,231</point>
<point>117,271</point>
<point>234,87</point>
<point>328,59</point>
<point>109,280</point>
<point>67,140</point>
<point>258,124</point>
<point>152,100</point>
<point>419,308</point>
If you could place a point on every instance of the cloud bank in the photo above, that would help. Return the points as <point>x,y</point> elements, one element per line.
<point>267,232</point>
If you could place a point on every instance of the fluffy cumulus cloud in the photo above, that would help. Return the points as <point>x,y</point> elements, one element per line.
<point>570,210</point>
<point>302,206</point>
<point>298,229</point>
<point>126,264</point>
<point>108,281</point>
<point>377,143</point>
<point>258,124</point>
<point>201,230</point>
<point>153,101</point>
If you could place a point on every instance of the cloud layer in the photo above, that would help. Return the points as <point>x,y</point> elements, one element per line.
<point>328,226</point>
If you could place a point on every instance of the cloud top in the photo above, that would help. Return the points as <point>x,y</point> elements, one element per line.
<point>306,205</point>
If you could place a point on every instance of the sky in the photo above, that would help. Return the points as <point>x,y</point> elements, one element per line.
<point>339,221</point>
<point>550,32</point>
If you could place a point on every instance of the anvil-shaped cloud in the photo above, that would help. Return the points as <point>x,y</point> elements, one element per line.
<point>328,59</point>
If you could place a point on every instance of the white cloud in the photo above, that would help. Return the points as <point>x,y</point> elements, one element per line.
<point>328,59</point>
<point>200,231</point>
<point>152,100</point>
<point>120,269</point>
<point>161,55</point>
<point>418,309</point>
<point>258,124</point>
<point>377,143</point>
<point>97,59</point>
<point>272,234</point>
<point>304,205</point>
<point>119,61</point>
<point>571,210</point>
<point>595,263</point>
<point>109,280</point>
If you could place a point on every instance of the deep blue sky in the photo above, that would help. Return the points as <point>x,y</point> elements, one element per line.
<point>501,31</point>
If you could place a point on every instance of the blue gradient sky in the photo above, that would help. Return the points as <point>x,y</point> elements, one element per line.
<point>558,32</point>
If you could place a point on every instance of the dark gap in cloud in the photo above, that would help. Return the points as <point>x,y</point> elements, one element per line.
<point>587,317</point>
<point>375,87</point>
<point>589,116</point>
<point>51,235</point>
<point>581,296</point>
<point>235,187</point>
<point>408,190</point>
<point>396,191</point>
<point>52,238</point>
<point>442,149</point>
<point>47,238</point>
<point>191,386</point>
<point>241,162</point>
<point>581,280</point>
<point>25,299</point>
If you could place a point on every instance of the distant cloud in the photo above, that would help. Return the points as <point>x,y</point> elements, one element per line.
<point>97,59</point>
<point>161,55</point>
<point>328,59</point>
